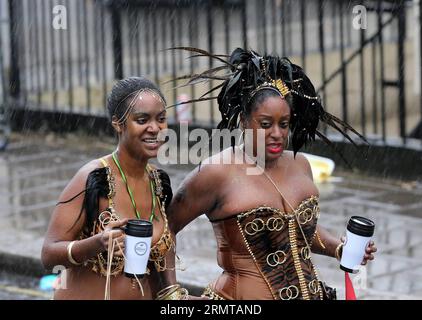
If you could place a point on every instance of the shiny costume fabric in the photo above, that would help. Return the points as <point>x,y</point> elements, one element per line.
<point>264,255</point>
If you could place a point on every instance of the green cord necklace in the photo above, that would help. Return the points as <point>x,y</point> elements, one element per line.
<point>132,199</point>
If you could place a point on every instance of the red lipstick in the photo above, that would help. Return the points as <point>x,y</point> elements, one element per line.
<point>275,148</point>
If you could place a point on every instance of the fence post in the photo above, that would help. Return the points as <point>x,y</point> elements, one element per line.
<point>244,24</point>
<point>14,74</point>
<point>117,41</point>
<point>401,58</point>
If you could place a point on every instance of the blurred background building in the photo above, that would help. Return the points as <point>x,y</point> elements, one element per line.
<point>60,58</point>
<point>366,64</point>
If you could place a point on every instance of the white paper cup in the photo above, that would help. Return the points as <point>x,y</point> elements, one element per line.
<point>137,247</point>
<point>359,232</point>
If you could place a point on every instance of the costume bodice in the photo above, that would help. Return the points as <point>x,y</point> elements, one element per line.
<point>159,249</point>
<point>264,254</point>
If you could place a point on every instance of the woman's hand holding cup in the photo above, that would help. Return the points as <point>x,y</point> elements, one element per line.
<point>113,230</point>
<point>359,247</point>
<point>369,252</point>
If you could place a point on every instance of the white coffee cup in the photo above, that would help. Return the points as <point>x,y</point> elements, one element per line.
<point>137,247</point>
<point>359,232</point>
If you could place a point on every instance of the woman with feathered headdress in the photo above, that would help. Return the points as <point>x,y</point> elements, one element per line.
<point>265,224</point>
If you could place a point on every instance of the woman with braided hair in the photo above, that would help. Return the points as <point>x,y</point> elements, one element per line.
<point>104,194</point>
<point>265,224</point>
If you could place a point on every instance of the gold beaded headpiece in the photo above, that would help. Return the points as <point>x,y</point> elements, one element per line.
<point>281,86</point>
<point>277,85</point>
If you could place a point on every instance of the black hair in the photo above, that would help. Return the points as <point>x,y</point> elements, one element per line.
<point>97,187</point>
<point>246,74</point>
<point>121,92</point>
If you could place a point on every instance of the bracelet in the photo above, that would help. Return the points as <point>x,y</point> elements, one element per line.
<point>69,254</point>
<point>173,292</point>
<point>167,290</point>
<point>179,294</point>
<point>320,241</point>
<point>337,253</point>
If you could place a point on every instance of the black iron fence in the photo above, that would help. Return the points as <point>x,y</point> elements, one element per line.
<point>64,55</point>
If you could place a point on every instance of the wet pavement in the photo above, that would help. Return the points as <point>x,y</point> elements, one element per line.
<point>36,167</point>
<point>18,287</point>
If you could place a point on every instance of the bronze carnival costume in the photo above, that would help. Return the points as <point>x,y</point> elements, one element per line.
<point>264,252</point>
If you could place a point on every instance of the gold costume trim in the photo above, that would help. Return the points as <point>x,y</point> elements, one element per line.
<point>254,260</point>
<point>158,250</point>
<point>295,219</point>
<point>286,215</point>
<point>317,279</point>
<point>210,293</point>
<point>163,245</point>
<point>292,292</point>
<point>258,225</point>
<point>273,259</point>
<point>296,259</point>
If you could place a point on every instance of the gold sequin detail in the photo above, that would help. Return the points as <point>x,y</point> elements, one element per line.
<point>210,293</point>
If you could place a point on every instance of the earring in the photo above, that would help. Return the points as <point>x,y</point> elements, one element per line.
<point>288,142</point>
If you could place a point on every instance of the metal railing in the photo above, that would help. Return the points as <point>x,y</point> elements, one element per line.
<point>4,115</point>
<point>71,70</point>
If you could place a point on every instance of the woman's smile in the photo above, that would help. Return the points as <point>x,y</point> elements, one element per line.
<point>151,143</point>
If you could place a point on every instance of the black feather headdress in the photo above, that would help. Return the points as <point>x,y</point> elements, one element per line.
<point>245,72</point>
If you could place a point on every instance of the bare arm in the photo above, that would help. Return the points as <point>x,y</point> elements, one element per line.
<point>66,226</point>
<point>195,196</point>
<point>324,243</point>
<point>198,194</point>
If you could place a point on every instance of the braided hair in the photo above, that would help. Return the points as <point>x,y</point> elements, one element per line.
<point>97,185</point>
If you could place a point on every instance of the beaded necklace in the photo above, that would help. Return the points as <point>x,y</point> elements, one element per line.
<point>132,199</point>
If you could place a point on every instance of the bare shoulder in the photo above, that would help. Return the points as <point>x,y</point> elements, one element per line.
<point>207,172</point>
<point>207,175</point>
<point>301,161</point>
<point>78,181</point>
<point>84,171</point>
<point>217,164</point>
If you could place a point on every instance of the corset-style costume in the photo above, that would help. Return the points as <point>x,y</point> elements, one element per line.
<point>159,249</point>
<point>264,255</point>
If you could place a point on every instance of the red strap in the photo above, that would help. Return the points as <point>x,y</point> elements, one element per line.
<point>350,291</point>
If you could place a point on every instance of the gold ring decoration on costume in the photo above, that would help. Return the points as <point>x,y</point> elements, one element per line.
<point>306,254</point>
<point>314,287</point>
<point>106,217</point>
<point>305,216</point>
<point>289,293</point>
<point>273,259</point>
<point>253,227</point>
<point>275,224</point>
<point>317,212</point>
